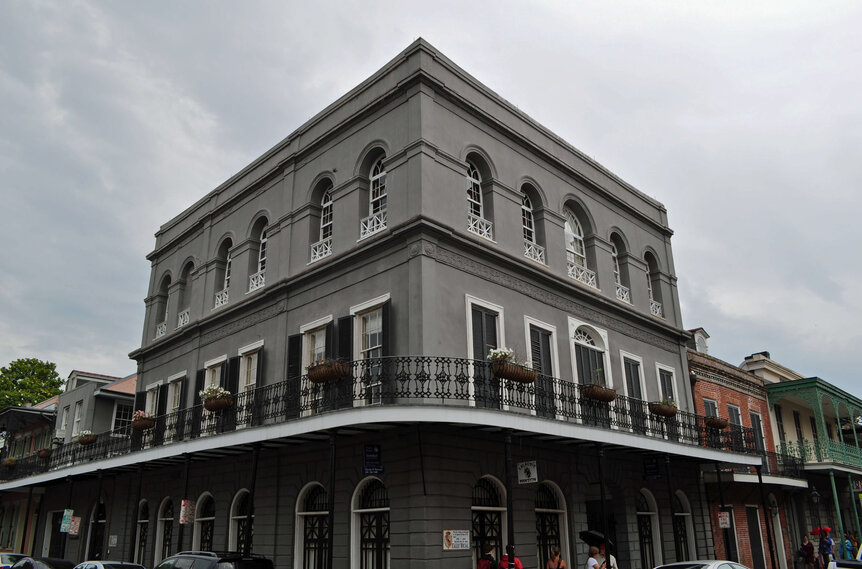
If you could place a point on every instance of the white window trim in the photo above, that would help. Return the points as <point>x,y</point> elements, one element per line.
<point>369,304</point>
<point>471,301</point>
<point>215,361</point>
<point>233,519</point>
<point>117,403</point>
<point>672,370</point>
<point>714,402</point>
<point>319,323</point>
<point>555,356</point>
<point>624,355</point>
<point>196,529</point>
<point>355,523</point>
<point>574,324</point>
<point>176,376</point>
<point>253,347</point>
<point>760,528</point>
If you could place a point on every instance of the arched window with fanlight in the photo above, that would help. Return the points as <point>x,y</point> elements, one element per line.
<point>550,522</point>
<point>142,531</point>
<point>165,530</point>
<point>241,522</point>
<point>322,246</point>
<point>590,357</point>
<point>653,285</point>
<point>204,530</point>
<point>312,527</point>
<point>477,221</point>
<point>488,512</point>
<point>621,269</point>
<point>576,252</point>
<point>683,527</point>
<point>257,265</point>
<point>98,520</point>
<point>648,527</point>
<point>223,273</point>
<point>532,249</point>
<point>185,295</point>
<point>376,220</point>
<point>371,524</point>
<point>162,306</point>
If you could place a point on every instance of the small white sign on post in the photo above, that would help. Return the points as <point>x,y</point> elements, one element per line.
<point>724,520</point>
<point>527,472</point>
<point>456,539</point>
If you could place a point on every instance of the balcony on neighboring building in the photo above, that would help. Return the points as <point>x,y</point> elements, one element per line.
<point>480,226</point>
<point>372,224</point>
<point>321,249</point>
<point>824,450</point>
<point>256,281</point>
<point>455,384</point>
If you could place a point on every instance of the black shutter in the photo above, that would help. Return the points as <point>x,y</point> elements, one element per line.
<point>258,411</point>
<point>329,349</point>
<point>536,350</point>
<point>197,410</point>
<point>345,338</point>
<point>386,317</point>
<point>161,407</point>
<point>293,385</point>
<point>227,419</point>
<point>182,414</point>
<point>140,403</point>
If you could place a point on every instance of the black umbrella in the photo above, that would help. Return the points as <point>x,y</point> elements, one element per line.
<point>592,537</point>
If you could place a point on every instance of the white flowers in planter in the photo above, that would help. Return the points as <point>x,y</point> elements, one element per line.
<point>213,392</point>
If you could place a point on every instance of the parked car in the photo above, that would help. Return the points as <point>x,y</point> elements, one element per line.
<point>703,564</point>
<point>42,563</point>
<point>108,565</point>
<point>214,560</point>
<point>8,559</point>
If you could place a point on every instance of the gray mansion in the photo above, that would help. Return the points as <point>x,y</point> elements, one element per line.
<point>340,297</point>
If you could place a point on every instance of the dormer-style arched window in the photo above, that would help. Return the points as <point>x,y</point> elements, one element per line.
<point>621,273</point>
<point>185,296</point>
<point>223,271</point>
<point>162,306</point>
<point>653,285</point>
<point>257,264</point>
<point>477,221</point>
<point>321,235</point>
<point>376,220</point>
<point>576,252</point>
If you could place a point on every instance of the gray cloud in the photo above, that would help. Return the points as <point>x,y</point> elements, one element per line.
<point>743,120</point>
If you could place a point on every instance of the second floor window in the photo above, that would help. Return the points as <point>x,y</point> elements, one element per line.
<point>326,216</point>
<point>372,334</point>
<point>616,259</point>
<point>316,345</point>
<point>377,200</point>
<point>474,190</point>
<point>710,408</point>
<point>76,425</point>
<point>575,241</point>
<point>527,221</point>
<point>122,417</point>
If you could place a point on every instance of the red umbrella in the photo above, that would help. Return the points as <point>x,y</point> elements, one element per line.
<point>816,531</point>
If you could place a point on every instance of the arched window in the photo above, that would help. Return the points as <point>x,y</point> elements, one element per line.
<point>590,357</point>
<point>202,540</point>
<point>647,513</point>
<point>98,519</point>
<point>550,522</point>
<point>257,259</point>
<point>143,526</point>
<point>576,253</point>
<point>165,529</point>
<point>476,222</point>
<point>621,275</point>
<point>185,296</point>
<point>222,274</point>
<point>488,509</point>
<point>653,285</point>
<point>241,522</point>
<point>322,246</point>
<point>683,528</point>
<point>371,524</point>
<point>312,528</point>
<point>162,306</point>
<point>532,249</point>
<point>376,220</point>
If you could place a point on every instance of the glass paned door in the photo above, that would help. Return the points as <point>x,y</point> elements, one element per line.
<point>486,386</point>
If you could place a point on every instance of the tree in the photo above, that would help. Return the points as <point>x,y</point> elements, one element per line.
<point>28,380</point>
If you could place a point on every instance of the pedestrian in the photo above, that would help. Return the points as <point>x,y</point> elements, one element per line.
<point>825,548</point>
<point>556,560</point>
<point>504,561</point>
<point>487,561</point>
<point>846,548</point>
<point>592,562</point>
<point>806,552</point>
<point>611,560</point>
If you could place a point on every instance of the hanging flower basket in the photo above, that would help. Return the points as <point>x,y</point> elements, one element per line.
<point>598,392</point>
<point>513,372</point>
<point>85,440</point>
<point>716,422</point>
<point>218,403</point>
<point>43,453</point>
<point>143,423</point>
<point>662,409</point>
<point>327,371</point>
<point>10,461</point>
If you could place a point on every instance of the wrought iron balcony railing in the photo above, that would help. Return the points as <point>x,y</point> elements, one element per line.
<point>823,450</point>
<point>417,380</point>
<point>774,464</point>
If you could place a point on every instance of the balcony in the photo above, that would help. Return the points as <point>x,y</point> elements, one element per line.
<point>372,224</point>
<point>823,450</point>
<point>161,329</point>
<point>480,226</point>
<point>321,249</point>
<point>221,298</point>
<point>183,317</point>
<point>534,252</point>
<point>774,464</point>
<point>256,281</point>
<point>624,294</point>
<point>655,308</point>
<point>579,272</point>
<point>454,383</point>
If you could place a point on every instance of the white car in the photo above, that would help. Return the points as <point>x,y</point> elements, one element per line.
<point>703,564</point>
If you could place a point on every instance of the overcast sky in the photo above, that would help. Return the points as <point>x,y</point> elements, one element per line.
<point>743,118</point>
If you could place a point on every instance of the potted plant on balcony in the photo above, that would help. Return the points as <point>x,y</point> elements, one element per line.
<point>142,421</point>
<point>44,453</point>
<point>326,370</point>
<point>505,366</point>
<point>10,462</point>
<point>717,423</point>
<point>86,437</point>
<point>216,398</point>
<point>596,390</point>
<point>664,408</point>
